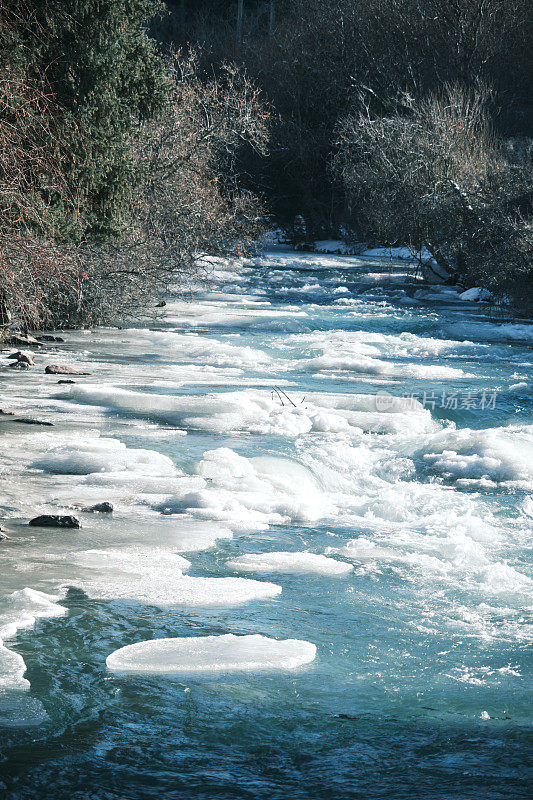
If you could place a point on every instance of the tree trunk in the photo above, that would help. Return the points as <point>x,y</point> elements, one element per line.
<point>240,12</point>
<point>271,18</point>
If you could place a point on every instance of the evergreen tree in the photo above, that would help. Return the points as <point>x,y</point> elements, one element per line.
<point>107,75</point>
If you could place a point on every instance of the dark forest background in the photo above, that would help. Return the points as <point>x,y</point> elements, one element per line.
<point>136,135</point>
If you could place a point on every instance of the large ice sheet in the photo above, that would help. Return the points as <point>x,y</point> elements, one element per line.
<point>226,653</point>
<point>155,576</point>
<point>263,411</point>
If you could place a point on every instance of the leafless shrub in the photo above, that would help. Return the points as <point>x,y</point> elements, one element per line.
<point>188,203</point>
<point>433,174</point>
<point>36,272</point>
<point>322,53</point>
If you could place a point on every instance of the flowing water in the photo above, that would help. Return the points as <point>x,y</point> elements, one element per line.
<point>303,452</point>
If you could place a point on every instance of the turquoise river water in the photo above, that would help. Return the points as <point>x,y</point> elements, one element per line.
<point>301,452</point>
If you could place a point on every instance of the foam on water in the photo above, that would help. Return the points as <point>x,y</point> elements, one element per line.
<point>251,493</point>
<point>226,653</point>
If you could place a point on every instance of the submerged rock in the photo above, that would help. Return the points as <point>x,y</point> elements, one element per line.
<point>21,356</point>
<point>19,365</point>
<point>22,339</point>
<point>63,369</point>
<point>30,421</point>
<point>66,381</point>
<point>47,337</point>
<point>99,508</point>
<point>55,521</point>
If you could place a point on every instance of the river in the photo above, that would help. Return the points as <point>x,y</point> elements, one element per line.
<point>300,451</point>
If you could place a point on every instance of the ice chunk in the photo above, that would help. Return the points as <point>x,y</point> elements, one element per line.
<point>499,455</point>
<point>289,562</point>
<point>12,669</point>
<point>133,560</point>
<point>226,653</point>
<point>363,549</point>
<point>155,576</point>
<point>493,331</point>
<point>90,455</point>
<point>526,506</point>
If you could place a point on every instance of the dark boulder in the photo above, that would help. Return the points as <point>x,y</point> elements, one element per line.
<point>47,337</point>
<point>30,421</point>
<point>21,339</point>
<point>20,355</point>
<point>55,521</point>
<point>19,365</point>
<point>100,508</point>
<point>66,381</point>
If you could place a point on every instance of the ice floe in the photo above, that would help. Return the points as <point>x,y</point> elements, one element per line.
<point>225,653</point>
<point>291,563</point>
<point>20,611</point>
<point>155,576</point>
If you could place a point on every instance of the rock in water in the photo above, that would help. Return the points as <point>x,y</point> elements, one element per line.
<point>19,365</point>
<point>63,369</point>
<point>30,421</point>
<point>23,339</point>
<point>66,381</point>
<point>47,337</point>
<point>20,355</point>
<point>55,521</point>
<point>100,508</point>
